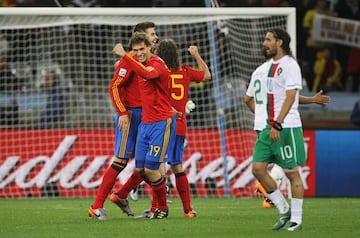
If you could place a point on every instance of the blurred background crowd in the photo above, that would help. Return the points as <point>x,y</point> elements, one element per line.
<point>331,67</point>
<point>337,68</point>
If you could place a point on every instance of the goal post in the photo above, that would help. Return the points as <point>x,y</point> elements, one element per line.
<point>68,156</point>
<point>131,16</point>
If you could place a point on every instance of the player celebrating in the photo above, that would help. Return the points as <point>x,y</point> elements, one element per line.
<point>126,99</point>
<point>156,133</point>
<point>277,120</point>
<point>181,76</point>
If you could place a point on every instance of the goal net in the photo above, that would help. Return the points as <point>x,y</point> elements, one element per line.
<point>58,141</point>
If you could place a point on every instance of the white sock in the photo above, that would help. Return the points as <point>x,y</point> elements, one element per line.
<point>296,210</point>
<point>277,173</point>
<point>279,200</point>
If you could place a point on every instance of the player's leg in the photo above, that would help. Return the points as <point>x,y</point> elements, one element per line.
<point>262,156</point>
<point>148,213</point>
<point>120,197</point>
<point>297,188</point>
<point>182,183</point>
<point>183,188</point>
<point>162,140</point>
<point>277,173</point>
<point>123,151</point>
<point>135,120</point>
<point>97,210</point>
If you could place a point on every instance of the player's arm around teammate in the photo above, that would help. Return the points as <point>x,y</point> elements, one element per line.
<point>157,129</point>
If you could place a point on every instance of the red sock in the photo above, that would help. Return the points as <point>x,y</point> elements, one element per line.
<point>159,191</point>
<point>134,180</point>
<point>107,183</point>
<point>154,203</point>
<point>182,186</point>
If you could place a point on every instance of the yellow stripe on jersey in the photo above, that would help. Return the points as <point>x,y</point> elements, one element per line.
<point>125,135</point>
<point>116,94</point>
<point>166,139</point>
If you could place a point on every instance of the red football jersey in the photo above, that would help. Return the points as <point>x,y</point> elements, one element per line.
<point>180,81</point>
<point>124,88</point>
<point>154,84</point>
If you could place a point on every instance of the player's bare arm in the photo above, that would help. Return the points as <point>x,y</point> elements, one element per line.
<point>318,98</point>
<point>119,50</point>
<point>250,103</point>
<point>193,50</point>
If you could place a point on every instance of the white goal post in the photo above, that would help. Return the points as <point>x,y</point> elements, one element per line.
<point>67,156</point>
<point>131,16</point>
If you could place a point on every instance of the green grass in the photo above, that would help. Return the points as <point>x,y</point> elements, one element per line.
<point>217,217</point>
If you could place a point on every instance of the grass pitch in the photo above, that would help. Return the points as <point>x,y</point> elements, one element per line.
<point>217,217</point>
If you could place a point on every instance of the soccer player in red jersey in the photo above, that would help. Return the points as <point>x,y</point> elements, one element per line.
<point>125,96</point>
<point>156,133</point>
<point>181,76</point>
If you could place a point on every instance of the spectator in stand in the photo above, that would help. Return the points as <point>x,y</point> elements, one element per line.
<point>8,3</point>
<point>350,56</point>
<point>271,3</point>
<point>302,6</point>
<point>9,85</point>
<point>9,82</point>
<point>355,114</point>
<point>327,70</point>
<point>284,3</point>
<point>353,69</point>
<point>53,115</point>
<point>252,3</point>
<point>312,47</point>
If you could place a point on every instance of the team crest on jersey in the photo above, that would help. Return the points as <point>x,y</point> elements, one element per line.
<point>122,72</point>
<point>279,71</point>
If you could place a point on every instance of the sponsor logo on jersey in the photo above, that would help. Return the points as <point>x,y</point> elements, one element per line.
<point>122,72</point>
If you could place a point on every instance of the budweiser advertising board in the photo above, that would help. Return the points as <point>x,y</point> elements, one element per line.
<point>74,161</point>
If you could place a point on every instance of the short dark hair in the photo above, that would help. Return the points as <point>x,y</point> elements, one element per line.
<point>139,37</point>
<point>143,26</point>
<point>281,34</point>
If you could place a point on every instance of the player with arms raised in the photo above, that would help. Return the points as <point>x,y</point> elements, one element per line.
<point>181,76</point>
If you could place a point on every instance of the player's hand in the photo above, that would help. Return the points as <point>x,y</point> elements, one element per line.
<point>124,122</point>
<point>274,134</point>
<point>193,50</point>
<point>119,50</point>
<point>177,113</point>
<point>321,99</point>
<point>189,107</point>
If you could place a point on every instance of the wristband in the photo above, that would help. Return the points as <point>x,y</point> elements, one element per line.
<point>277,126</point>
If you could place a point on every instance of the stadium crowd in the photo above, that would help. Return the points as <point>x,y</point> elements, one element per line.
<point>327,66</point>
<point>308,51</point>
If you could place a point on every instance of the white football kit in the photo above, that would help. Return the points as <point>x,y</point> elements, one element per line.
<point>268,86</point>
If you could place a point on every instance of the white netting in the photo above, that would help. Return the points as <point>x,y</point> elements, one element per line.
<point>65,151</point>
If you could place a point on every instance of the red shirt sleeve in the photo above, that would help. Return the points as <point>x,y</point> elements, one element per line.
<point>116,90</point>
<point>144,72</point>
